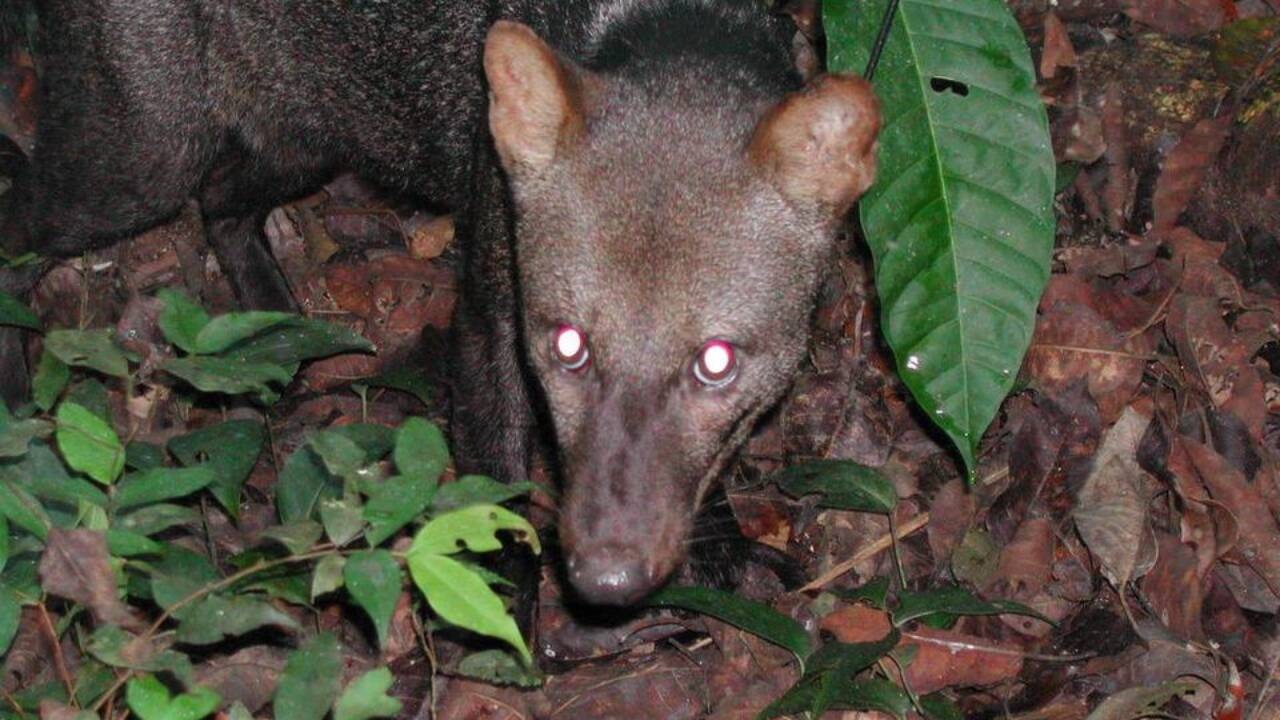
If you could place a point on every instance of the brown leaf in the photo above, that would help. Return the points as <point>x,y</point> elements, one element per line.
<point>1027,561</point>
<point>1073,341</point>
<point>1111,510</point>
<point>1175,589</point>
<point>428,239</point>
<point>1259,535</point>
<point>1057,51</point>
<point>945,658</point>
<point>1118,194</point>
<point>1220,364</point>
<point>1181,18</point>
<point>857,623</point>
<point>76,565</point>
<point>951,514</point>
<point>248,675</point>
<point>1184,170</point>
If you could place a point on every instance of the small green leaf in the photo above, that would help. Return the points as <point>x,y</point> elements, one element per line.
<point>842,485</point>
<point>181,320</point>
<point>421,450</point>
<point>366,697</point>
<point>296,340</point>
<point>405,379</point>
<point>45,475</point>
<point>828,680</point>
<point>94,349</point>
<point>828,693</point>
<point>327,575</point>
<point>139,455</point>
<point>216,618</point>
<point>117,648</point>
<point>153,486</point>
<point>939,707</point>
<point>473,528</point>
<point>230,450</point>
<point>754,617</point>
<point>461,598</point>
<point>123,543</point>
<point>310,681</point>
<point>88,443</point>
<point>17,434</point>
<point>226,330</point>
<point>150,700</point>
<point>343,519</point>
<point>498,666</point>
<point>156,518</point>
<point>52,375</point>
<point>875,592</point>
<point>219,375</point>
<point>393,503</point>
<point>10,613</point>
<point>180,573</point>
<point>15,313</point>
<point>341,456</point>
<point>954,600</point>
<point>373,579</point>
<point>302,484</point>
<point>477,490</point>
<point>23,509</point>
<point>297,537</point>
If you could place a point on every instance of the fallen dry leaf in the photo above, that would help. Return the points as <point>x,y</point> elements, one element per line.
<point>1111,510</point>
<point>1073,341</point>
<point>76,565</point>
<point>1058,52</point>
<point>1182,18</point>
<point>1184,169</point>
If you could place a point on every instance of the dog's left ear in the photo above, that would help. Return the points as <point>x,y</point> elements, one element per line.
<point>818,145</point>
<point>537,97</point>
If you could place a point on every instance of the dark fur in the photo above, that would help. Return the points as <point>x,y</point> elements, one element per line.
<point>672,214</point>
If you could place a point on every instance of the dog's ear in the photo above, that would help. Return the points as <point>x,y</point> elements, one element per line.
<point>537,97</point>
<point>818,145</point>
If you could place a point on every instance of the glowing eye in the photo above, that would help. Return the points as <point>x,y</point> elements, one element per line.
<point>716,365</point>
<point>569,346</point>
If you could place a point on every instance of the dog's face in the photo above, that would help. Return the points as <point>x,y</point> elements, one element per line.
<point>668,252</point>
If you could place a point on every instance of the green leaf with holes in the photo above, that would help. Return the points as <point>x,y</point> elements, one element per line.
<point>960,219</point>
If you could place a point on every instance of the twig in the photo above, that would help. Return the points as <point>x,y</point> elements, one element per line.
<point>55,647</point>
<point>1266,687</point>
<point>199,593</point>
<point>880,545</point>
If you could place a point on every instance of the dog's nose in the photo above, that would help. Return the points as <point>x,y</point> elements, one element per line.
<point>611,574</point>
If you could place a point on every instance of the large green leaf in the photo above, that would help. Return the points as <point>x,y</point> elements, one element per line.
<point>16,313</point>
<point>754,617</point>
<point>460,597</point>
<point>960,219</point>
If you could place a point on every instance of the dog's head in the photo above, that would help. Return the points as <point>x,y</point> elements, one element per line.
<point>670,239</point>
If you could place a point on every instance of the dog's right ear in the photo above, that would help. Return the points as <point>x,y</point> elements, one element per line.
<point>819,144</point>
<point>536,97</point>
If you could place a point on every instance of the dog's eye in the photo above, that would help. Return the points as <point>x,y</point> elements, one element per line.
<point>569,345</point>
<point>716,364</point>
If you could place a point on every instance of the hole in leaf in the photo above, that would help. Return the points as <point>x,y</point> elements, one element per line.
<point>941,85</point>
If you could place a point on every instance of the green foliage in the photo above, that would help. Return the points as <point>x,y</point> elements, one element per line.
<point>343,497</point>
<point>960,219</point>
<point>366,697</point>
<point>15,313</point>
<point>246,352</point>
<point>149,699</point>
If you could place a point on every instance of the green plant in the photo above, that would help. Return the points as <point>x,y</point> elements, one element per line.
<point>111,526</point>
